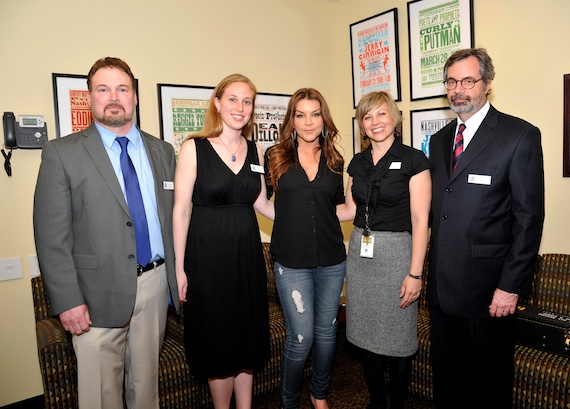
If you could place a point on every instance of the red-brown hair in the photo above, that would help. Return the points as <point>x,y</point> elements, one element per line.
<point>213,124</point>
<point>110,62</point>
<point>283,155</point>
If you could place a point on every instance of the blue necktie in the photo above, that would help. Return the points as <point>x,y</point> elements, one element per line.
<point>136,205</point>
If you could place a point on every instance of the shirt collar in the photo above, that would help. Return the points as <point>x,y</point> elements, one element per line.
<point>109,137</point>
<point>395,150</point>
<point>473,123</point>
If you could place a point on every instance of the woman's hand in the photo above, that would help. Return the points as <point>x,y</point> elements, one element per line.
<point>410,291</point>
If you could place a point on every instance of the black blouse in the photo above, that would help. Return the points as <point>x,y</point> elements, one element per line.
<point>385,186</point>
<point>306,230</point>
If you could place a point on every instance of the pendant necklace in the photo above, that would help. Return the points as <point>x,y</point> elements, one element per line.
<point>233,154</point>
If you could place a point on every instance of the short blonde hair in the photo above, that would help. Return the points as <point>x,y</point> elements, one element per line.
<point>373,100</point>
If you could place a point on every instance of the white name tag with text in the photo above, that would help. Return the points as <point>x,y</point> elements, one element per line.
<point>479,179</point>
<point>367,246</point>
<point>168,185</point>
<point>257,168</point>
<point>396,165</point>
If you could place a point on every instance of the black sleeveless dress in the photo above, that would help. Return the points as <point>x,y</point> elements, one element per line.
<point>226,318</point>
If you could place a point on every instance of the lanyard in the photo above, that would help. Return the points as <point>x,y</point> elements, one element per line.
<point>366,231</point>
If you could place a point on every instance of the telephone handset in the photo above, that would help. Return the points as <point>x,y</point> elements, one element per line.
<point>9,130</point>
<point>29,132</point>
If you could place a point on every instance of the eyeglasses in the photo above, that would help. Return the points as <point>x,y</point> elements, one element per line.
<point>466,83</point>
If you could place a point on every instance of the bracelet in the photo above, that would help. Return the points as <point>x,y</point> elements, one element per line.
<point>415,277</point>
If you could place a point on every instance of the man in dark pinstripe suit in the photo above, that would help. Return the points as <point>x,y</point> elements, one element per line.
<point>487,218</point>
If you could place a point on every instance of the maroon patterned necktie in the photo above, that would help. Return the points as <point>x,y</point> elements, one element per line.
<point>458,145</point>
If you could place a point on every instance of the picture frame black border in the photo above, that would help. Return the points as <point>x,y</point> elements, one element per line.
<point>396,71</point>
<point>415,116</point>
<point>415,64</point>
<point>187,90</point>
<point>566,134</point>
<point>283,98</point>
<point>57,94</point>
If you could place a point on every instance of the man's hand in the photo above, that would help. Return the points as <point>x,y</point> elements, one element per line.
<point>76,320</point>
<point>503,303</point>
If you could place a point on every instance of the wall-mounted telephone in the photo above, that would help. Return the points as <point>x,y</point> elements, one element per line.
<point>28,132</point>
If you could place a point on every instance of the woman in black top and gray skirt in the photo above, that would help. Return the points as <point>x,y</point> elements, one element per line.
<point>389,196</point>
<point>305,171</point>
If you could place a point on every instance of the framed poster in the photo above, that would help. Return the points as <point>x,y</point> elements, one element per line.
<point>425,123</point>
<point>436,28</point>
<point>566,136</point>
<point>359,144</point>
<point>269,113</point>
<point>181,110</point>
<point>71,104</point>
<point>375,55</point>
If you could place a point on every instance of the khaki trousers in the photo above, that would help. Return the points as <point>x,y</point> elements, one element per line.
<point>113,360</point>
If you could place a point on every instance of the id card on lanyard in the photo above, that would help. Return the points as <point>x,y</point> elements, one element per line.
<point>367,239</point>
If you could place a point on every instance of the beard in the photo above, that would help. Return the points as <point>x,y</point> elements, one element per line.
<point>466,105</point>
<point>114,115</point>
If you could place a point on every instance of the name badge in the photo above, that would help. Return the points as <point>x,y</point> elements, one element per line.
<point>367,246</point>
<point>395,165</point>
<point>479,179</point>
<point>168,185</point>
<point>257,168</point>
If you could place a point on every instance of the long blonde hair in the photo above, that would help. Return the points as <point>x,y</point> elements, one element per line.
<point>213,124</point>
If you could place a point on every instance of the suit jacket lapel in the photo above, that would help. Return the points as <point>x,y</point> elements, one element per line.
<point>94,146</point>
<point>484,135</point>
<point>447,141</point>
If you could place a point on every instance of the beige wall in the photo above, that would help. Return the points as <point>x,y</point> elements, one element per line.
<point>282,45</point>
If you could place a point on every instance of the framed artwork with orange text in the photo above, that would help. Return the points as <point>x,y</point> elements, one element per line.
<point>71,104</point>
<point>375,56</point>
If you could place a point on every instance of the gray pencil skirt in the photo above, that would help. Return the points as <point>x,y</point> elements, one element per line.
<point>374,319</point>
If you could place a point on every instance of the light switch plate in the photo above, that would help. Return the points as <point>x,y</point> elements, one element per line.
<point>10,269</point>
<point>34,266</point>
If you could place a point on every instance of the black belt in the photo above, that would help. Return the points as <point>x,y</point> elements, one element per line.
<point>149,266</point>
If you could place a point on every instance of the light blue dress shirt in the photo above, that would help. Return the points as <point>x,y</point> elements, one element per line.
<point>137,153</point>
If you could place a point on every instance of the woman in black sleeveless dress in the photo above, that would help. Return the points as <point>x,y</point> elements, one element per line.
<point>219,260</point>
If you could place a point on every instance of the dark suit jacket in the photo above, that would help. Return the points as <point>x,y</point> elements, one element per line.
<point>84,236</point>
<point>487,216</point>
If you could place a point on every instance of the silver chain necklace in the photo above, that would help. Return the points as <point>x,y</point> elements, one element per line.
<point>233,154</point>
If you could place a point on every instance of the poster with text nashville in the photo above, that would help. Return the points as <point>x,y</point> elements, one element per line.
<point>374,47</point>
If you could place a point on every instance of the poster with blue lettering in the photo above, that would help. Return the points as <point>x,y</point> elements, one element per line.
<point>425,123</point>
<point>375,56</point>
<point>437,28</point>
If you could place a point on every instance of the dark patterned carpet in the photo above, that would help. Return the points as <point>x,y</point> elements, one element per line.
<point>348,389</point>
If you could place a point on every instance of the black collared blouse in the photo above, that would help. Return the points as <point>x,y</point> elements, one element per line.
<point>306,231</point>
<point>386,186</point>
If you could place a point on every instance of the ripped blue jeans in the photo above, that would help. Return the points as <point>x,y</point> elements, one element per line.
<point>309,298</point>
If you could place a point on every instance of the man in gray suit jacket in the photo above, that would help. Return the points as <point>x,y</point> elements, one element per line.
<point>114,304</point>
<point>487,218</point>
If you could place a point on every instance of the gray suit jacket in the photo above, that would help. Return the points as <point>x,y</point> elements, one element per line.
<point>487,215</point>
<point>84,236</point>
